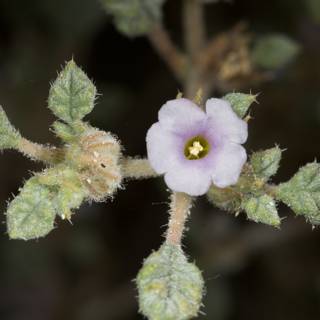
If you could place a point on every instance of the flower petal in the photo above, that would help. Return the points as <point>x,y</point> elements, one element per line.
<point>180,114</point>
<point>188,179</point>
<point>228,164</point>
<point>226,120</point>
<point>162,148</point>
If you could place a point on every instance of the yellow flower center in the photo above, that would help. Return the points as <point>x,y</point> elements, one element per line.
<point>196,148</point>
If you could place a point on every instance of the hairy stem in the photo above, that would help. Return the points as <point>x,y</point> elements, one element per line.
<point>137,168</point>
<point>40,152</point>
<point>167,50</point>
<point>179,210</point>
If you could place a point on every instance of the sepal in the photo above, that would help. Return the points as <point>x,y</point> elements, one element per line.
<point>240,102</point>
<point>225,199</point>
<point>265,163</point>
<point>261,209</point>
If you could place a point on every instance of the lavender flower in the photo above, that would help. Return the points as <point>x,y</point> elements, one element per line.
<point>194,149</point>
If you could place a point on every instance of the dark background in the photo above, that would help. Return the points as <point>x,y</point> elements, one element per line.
<point>85,271</point>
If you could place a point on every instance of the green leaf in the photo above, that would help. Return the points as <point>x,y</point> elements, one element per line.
<point>70,197</point>
<point>72,95</point>
<point>134,17</point>
<point>240,102</point>
<point>68,133</point>
<point>170,287</point>
<point>9,137</point>
<point>31,214</point>
<point>64,131</point>
<point>70,192</point>
<point>57,190</point>
<point>302,192</point>
<point>274,51</point>
<point>266,163</point>
<point>261,209</point>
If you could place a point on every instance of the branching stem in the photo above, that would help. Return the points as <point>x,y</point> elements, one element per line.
<point>219,45</point>
<point>176,60</point>
<point>137,169</point>
<point>35,151</point>
<point>179,211</point>
<point>194,27</point>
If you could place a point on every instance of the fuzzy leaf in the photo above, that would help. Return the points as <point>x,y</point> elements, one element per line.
<point>170,287</point>
<point>68,133</point>
<point>70,196</point>
<point>63,131</point>
<point>57,190</point>
<point>274,51</point>
<point>302,192</point>
<point>240,102</point>
<point>262,209</point>
<point>266,163</point>
<point>31,214</point>
<point>70,192</point>
<point>134,17</point>
<point>72,95</point>
<point>9,137</point>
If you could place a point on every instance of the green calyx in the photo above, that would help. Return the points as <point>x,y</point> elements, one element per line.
<point>265,163</point>
<point>261,209</point>
<point>252,193</point>
<point>240,102</point>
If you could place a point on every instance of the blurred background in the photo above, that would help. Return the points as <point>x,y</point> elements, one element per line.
<point>85,270</point>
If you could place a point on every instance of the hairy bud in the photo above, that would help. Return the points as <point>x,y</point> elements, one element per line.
<point>96,158</point>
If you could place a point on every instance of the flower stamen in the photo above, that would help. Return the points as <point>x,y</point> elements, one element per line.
<point>196,148</point>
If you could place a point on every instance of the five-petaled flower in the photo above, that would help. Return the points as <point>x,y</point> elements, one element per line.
<point>195,148</point>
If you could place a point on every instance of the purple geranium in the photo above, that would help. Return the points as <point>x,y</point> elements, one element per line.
<point>194,148</point>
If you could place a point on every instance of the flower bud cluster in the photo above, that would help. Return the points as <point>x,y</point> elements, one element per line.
<point>96,158</point>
